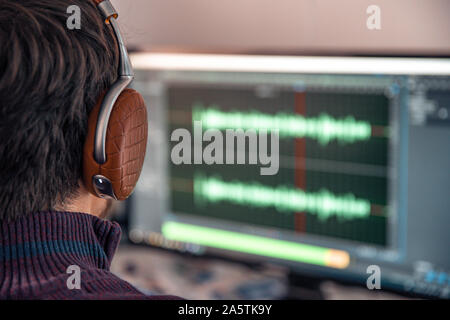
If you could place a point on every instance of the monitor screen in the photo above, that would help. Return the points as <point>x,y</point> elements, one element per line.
<point>331,166</point>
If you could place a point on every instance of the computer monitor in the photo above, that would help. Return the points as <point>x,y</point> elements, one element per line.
<point>363,174</point>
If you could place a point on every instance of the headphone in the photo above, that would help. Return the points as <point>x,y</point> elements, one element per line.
<point>116,141</point>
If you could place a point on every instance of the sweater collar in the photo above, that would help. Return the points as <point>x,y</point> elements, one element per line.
<point>60,239</point>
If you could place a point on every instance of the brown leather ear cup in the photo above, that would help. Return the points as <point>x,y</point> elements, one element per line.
<point>126,144</point>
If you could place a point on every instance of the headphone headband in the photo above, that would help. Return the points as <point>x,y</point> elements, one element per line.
<point>125,76</point>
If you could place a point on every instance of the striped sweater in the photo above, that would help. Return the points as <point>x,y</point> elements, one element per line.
<point>61,255</point>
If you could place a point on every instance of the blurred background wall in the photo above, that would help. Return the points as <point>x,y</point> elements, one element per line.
<point>287,26</point>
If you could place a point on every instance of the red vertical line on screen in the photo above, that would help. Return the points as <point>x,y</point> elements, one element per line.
<point>379,131</point>
<point>300,154</point>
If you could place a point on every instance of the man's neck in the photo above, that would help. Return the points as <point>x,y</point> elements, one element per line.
<point>87,203</point>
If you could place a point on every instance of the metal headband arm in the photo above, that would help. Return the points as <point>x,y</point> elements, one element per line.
<point>125,76</point>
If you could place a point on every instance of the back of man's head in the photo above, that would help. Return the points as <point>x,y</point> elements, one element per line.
<point>50,79</point>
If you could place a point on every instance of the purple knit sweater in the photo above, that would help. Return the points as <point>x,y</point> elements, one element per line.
<point>37,250</point>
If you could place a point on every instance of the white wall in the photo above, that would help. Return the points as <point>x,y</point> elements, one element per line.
<point>408,26</point>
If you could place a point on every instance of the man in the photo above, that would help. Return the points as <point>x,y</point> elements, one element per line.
<point>54,241</point>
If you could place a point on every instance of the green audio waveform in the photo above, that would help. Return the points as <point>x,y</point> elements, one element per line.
<point>323,203</point>
<point>323,128</point>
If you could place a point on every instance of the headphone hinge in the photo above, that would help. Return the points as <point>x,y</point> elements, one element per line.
<point>108,10</point>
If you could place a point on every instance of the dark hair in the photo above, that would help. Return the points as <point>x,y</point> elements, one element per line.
<point>50,79</point>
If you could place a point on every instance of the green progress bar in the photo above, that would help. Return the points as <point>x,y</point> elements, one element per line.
<point>257,245</point>
<point>323,203</point>
<point>323,128</point>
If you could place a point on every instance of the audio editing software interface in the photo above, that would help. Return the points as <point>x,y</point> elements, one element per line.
<point>362,179</point>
